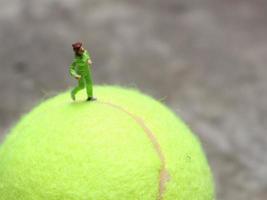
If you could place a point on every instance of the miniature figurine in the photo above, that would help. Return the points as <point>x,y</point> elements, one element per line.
<point>81,70</point>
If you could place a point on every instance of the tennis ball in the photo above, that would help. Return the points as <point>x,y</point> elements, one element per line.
<point>124,146</point>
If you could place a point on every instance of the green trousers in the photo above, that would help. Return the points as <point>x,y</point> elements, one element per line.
<point>84,82</point>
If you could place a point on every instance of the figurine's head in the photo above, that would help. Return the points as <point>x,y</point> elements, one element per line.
<point>78,48</point>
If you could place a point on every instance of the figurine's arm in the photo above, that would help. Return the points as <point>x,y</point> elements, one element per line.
<point>89,61</point>
<point>73,72</point>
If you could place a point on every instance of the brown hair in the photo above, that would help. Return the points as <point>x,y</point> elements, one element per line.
<point>76,46</point>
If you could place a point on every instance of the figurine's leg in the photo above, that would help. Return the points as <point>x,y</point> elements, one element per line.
<point>77,89</point>
<point>89,88</point>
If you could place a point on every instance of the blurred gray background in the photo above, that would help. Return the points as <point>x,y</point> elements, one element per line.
<point>206,59</point>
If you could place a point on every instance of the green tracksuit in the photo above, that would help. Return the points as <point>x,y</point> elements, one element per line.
<point>81,68</point>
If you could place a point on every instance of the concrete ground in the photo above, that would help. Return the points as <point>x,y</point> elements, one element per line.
<point>205,58</point>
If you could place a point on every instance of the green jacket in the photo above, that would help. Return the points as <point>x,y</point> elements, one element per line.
<point>80,66</point>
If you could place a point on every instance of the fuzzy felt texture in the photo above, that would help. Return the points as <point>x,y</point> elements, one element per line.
<point>124,146</point>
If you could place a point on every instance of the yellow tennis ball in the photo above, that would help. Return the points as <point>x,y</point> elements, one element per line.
<point>124,146</point>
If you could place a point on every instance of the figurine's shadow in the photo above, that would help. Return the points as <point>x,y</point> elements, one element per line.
<point>81,103</point>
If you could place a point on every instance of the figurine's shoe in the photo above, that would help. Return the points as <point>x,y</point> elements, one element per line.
<point>91,99</point>
<point>72,96</point>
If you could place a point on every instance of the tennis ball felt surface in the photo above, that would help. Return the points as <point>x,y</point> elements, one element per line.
<point>124,146</point>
